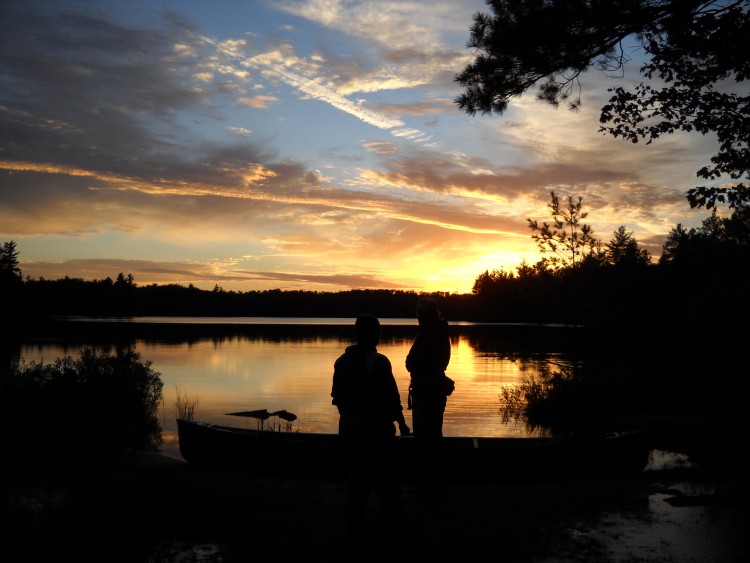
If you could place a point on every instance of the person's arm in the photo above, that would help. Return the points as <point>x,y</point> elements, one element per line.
<point>402,427</point>
<point>398,410</point>
<point>339,389</point>
<point>443,344</point>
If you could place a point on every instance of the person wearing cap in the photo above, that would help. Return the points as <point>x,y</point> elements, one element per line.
<point>426,362</point>
<point>366,395</point>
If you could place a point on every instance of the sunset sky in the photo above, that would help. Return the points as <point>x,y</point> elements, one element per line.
<point>296,145</point>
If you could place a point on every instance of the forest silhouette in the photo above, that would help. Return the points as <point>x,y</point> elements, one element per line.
<point>580,280</point>
<point>655,336</point>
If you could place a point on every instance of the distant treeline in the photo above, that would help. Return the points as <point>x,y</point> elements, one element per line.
<point>70,296</point>
<point>697,281</point>
<point>591,293</point>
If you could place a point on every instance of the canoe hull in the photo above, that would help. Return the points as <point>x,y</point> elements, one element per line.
<point>321,455</point>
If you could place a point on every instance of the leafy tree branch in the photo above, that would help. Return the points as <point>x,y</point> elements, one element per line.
<point>695,71</point>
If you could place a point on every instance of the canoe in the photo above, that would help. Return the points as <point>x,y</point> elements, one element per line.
<point>320,455</point>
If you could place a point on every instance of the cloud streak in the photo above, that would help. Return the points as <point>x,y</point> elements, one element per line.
<point>314,88</point>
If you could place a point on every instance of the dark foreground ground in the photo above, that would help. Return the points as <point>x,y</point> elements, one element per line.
<point>150,507</point>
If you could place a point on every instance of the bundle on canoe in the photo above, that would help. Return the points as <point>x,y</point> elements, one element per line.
<point>263,414</point>
<point>319,454</point>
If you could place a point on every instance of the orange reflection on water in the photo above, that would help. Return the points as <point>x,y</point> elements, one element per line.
<point>251,372</point>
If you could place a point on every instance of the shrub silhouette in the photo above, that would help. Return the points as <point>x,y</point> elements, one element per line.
<point>97,404</point>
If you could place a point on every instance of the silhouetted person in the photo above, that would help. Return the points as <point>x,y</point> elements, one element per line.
<point>427,361</point>
<point>366,395</point>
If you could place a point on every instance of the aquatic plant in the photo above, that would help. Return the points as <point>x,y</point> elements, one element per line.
<point>185,405</point>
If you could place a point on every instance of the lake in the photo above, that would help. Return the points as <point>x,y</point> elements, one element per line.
<point>237,364</point>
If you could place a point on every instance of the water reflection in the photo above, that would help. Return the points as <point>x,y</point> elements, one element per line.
<point>277,371</point>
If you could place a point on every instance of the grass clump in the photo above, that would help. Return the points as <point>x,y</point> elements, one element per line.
<point>185,405</point>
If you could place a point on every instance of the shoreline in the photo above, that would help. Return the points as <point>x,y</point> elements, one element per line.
<point>152,507</point>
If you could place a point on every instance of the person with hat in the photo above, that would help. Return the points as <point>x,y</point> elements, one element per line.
<point>429,388</point>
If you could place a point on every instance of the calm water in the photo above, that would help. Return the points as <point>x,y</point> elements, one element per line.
<point>274,370</point>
